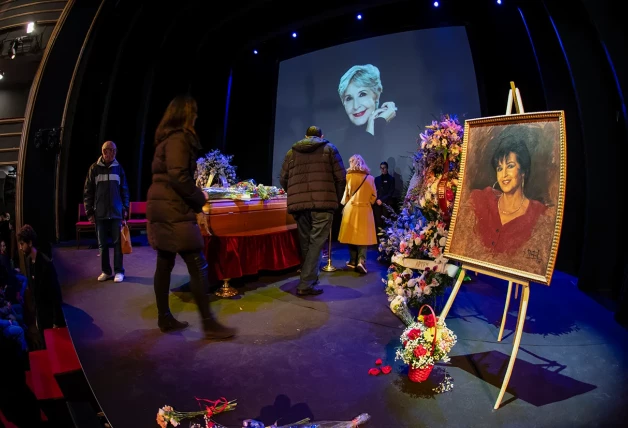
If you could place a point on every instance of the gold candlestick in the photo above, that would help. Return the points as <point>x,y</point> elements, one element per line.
<point>329,267</point>
<point>226,290</point>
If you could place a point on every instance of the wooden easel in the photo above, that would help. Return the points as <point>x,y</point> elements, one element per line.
<point>513,98</point>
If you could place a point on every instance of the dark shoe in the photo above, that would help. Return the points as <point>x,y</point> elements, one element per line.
<point>351,265</point>
<point>220,332</point>
<point>313,291</point>
<point>216,331</point>
<point>170,323</point>
<point>360,268</point>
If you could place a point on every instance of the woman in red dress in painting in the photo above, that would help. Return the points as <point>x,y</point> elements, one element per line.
<point>501,224</point>
<point>506,218</point>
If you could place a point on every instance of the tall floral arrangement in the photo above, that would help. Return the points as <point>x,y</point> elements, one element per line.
<point>420,230</point>
<point>215,165</point>
<point>438,157</point>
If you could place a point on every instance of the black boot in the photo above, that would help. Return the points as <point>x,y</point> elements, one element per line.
<point>216,331</point>
<point>168,322</point>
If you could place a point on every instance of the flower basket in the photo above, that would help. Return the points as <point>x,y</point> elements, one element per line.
<point>424,343</point>
<point>421,374</point>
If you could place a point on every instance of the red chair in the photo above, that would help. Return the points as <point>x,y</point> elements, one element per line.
<point>137,215</point>
<point>83,224</point>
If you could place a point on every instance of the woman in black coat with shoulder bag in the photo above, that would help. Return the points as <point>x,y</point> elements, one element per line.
<point>172,204</point>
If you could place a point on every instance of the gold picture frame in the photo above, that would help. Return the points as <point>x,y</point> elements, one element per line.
<point>511,228</point>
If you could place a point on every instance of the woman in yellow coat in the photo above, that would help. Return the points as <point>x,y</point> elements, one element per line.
<point>358,225</point>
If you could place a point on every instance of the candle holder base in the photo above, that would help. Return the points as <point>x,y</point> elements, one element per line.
<point>328,267</point>
<point>226,290</point>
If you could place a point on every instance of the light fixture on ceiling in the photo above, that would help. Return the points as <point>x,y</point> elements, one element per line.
<point>30,27</point>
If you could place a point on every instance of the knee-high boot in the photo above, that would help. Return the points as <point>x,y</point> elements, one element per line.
<point>165,320</point>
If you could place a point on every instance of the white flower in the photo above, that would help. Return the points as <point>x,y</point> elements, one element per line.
<point>396,302</point>
<point>443,241</point>
<point>391,283</point>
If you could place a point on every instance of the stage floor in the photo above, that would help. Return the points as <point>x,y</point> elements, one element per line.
<point>309,357</point>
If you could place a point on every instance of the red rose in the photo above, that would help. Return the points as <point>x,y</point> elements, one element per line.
<point>449,194</point>
<point>405,343</point>
<point>386,369</point>
<point>378,361</point>
<point>414,334</point>
<point>419,351</point>
<point>429,320</point>
<point>374,372</point>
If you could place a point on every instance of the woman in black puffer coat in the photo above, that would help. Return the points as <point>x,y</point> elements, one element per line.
<point>172,204</point>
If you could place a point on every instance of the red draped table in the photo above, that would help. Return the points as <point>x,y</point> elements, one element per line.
<point>243,237</point>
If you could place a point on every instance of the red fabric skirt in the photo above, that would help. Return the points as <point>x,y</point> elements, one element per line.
<point>237,256</point>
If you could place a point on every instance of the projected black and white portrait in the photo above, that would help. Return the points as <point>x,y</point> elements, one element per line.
<point>360,90</point>
<point>372,96</point>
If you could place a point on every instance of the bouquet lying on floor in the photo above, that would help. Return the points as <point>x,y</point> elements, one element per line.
<point>305,423</point>
<point>167,415</point>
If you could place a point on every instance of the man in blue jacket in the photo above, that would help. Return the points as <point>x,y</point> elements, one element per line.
<point>106,198</point>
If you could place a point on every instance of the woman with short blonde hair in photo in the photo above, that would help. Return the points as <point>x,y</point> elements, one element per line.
<point>358,224</point>
<point>360,89</point>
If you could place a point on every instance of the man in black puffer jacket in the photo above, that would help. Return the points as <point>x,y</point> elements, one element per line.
<point>314,177</point>
<point>106,197</point>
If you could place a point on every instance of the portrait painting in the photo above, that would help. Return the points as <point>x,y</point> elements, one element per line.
<point>509,204</point>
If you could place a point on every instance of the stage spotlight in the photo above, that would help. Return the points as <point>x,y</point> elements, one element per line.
<point>499,1</point>
<point>30,27</point>
<point>435,4</point>
<point>255,51</point>
<point>359,17</point>
<point>294,35</point>
<point>1,75</point>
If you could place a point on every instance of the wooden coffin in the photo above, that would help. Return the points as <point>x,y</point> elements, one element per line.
<point>227,217</point>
